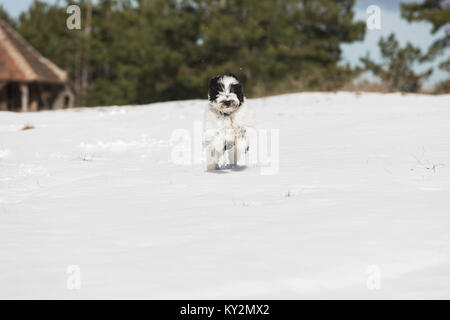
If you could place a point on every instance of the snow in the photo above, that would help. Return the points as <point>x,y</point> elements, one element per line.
<point>358,208</point>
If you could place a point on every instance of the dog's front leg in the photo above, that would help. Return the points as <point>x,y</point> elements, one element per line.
<point>242,145</point>
<point>230,146</point>
<point>212,158</point>
<point>216,145</point>
<point>211,140</point>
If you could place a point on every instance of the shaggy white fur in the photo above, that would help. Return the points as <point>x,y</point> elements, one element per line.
<point>227,126</point>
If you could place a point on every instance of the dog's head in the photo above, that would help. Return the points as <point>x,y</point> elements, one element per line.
<point>225,94</point>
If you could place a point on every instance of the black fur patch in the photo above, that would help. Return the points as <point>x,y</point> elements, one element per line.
<point>237,89</point>
<point>214,87</point>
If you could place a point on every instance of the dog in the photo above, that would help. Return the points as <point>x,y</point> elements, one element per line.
<point>227,122</point>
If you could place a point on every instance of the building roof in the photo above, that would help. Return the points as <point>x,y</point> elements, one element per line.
<point>19,61</point>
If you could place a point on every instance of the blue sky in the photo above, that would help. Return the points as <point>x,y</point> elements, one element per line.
<point>416,33</point>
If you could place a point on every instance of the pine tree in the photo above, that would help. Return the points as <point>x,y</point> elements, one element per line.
<point>6,17</point>
<point>287,42</point>
<point>396,70</point>
<point>436,12</point>
<point>143,51</point>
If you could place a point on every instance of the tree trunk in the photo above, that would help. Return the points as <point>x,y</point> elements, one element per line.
<point>85,60</point>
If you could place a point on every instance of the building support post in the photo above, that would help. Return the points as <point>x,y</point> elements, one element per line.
<point>24,96</point>
<point>3,96</point>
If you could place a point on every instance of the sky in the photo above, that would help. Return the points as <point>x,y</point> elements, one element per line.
<point>417,33</point>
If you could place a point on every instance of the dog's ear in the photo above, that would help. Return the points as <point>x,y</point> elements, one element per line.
<point>213,82</point>
<point>213,88</point>
<point>237,89</point>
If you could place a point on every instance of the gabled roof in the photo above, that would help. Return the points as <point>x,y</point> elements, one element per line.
<point>19,61</point>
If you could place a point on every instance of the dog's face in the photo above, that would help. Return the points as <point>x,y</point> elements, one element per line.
<point>225,94</point>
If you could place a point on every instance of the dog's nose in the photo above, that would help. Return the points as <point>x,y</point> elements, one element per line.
<point>227,103</point>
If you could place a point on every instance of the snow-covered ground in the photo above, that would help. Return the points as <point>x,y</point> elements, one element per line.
<point>359,208</point>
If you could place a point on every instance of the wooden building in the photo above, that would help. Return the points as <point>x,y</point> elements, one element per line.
<point>28,81</point>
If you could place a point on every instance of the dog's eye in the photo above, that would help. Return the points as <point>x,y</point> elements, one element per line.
<point>235,88</point>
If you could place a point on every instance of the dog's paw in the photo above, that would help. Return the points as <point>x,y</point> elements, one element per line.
<point>212,167</point>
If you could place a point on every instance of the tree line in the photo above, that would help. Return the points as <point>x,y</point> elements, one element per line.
<point>141,51</point>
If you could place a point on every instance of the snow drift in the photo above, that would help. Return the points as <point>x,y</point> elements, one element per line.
<point>359,207</point>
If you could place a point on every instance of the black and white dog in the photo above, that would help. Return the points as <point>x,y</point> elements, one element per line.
<point>227,122</point>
